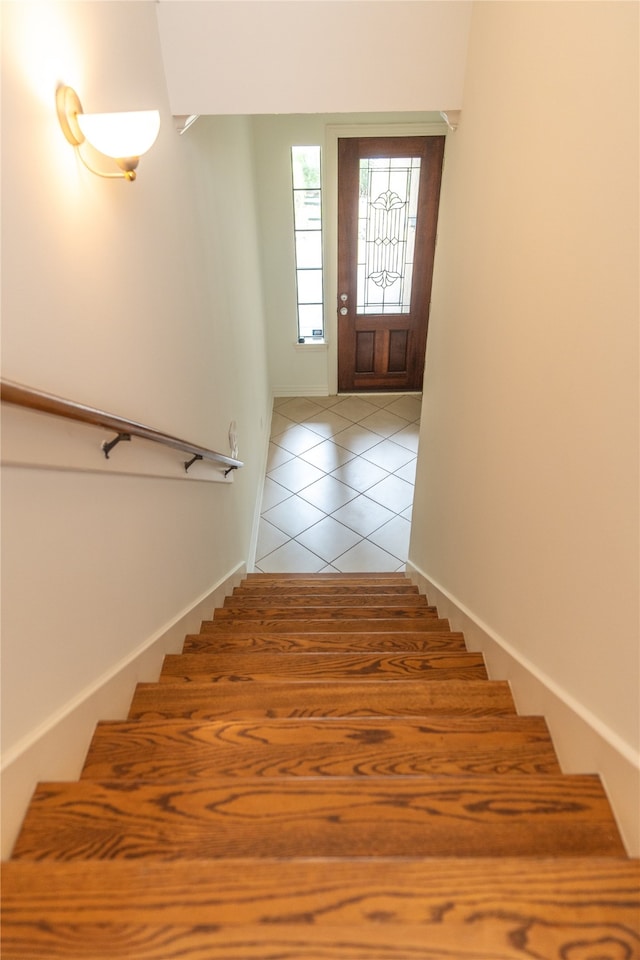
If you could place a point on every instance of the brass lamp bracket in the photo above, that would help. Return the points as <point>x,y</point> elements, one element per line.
<point>68,106</point>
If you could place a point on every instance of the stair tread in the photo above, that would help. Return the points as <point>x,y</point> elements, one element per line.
<point>346,698</point>
<point>337,909</point>
<point>271,589</point>
<point>388,577</point>
<point>166,749</point>
<point>240,667</point>
<point>326,612</point>
<point>245,640</point>
<point>426,816</point>
<point>324,625</point>
<point>370,601</point>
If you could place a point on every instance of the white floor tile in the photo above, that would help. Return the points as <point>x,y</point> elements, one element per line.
<point>388,455</point>
<point>328,539</point>
<point>325,452</point>
<point>359,474</point>
<point>354,408</point>
<point>407,406</point>
<point>327,401</point>
<point>269,539</point>
<point>363,515</point>
<point>357,438</point>
<point>408,471</point>
<point>378,399</point>
<point>366,557</point>
<point>393,493</point>
<point>327,456</point>
<point>383,422</point>
<point>408,437</point>
<point>298,408</point>
<point>279,424</point>
<point>277,456</point>
<point>328,494</point>
<point>327,423</point>
<point>297,439</point>
<point>393,537</point>
<point>292,557</point>
<point>294,515</point>
<point>273,493</point>
<point>296,474</point>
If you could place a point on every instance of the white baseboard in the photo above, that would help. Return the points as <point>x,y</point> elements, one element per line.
<point>583,743</point>
<point>56,750</point>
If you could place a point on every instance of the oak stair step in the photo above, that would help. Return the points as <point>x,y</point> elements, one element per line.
<point>272,589</point>
<point>488,816</point>
<point>246,667</point>
<point>324,612</point>
<point>433,909</point>
<point>286,602</point>
<point>360,642</point>
<point>338,578</point>
<point>313,698</point>
<point>178,749</point>
<point>351,809</point>
<point>249,625</point>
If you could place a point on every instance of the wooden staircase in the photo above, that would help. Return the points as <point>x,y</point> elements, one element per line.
<point>325,773</point>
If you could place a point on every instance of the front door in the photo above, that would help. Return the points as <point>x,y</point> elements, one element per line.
<point>388,192</point>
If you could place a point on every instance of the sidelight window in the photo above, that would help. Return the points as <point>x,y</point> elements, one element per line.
<point>307,225</point>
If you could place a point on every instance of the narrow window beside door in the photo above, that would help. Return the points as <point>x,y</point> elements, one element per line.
<point>307,225</point>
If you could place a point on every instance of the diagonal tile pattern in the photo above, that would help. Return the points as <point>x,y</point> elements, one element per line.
<point>339,486</point>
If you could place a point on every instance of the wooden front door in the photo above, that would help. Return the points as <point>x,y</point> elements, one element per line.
<point>388,193</point>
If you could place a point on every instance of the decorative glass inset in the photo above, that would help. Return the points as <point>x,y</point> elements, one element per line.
<point>307,226</point>
<point>387,212</point>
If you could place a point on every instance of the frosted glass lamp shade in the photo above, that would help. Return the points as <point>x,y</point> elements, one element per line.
<point>123,137</point>
<point>120,135</point>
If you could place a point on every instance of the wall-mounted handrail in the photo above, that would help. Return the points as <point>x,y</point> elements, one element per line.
<point>32,399</point>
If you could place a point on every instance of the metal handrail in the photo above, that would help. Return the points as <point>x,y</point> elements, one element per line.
<point>32,399</point>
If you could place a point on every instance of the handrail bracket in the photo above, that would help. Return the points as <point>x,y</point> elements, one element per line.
<point>108,447</point>
<point>189,463</point>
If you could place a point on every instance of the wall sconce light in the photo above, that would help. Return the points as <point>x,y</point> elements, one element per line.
<point>122,136</point>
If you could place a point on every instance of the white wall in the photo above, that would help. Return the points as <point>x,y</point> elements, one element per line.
<point>143,299</point>
<point>286,56</point>
<point>526,510</point>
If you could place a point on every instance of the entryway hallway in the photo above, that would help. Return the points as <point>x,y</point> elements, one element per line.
<point>338,490</point>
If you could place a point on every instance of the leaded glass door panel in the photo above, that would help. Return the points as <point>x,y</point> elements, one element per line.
<point>388,193</point>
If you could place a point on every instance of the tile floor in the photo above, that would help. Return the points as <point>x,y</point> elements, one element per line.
<point>338,490</point>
